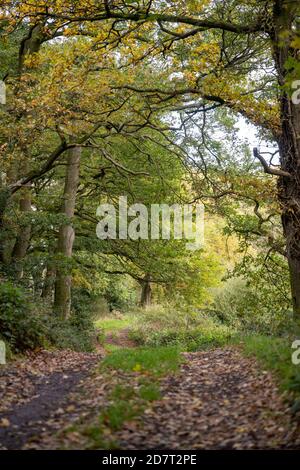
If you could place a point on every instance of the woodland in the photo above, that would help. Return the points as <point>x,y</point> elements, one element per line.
<point>122,343</point>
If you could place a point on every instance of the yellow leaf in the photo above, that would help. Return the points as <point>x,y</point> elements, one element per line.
<point>4,423</point>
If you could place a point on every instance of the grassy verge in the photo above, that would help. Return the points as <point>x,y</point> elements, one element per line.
<point>113,325</point>
<point>190,339</point>
<point>274,354</point>
<point>157,328</point>
<point>162,335</point>
<point>135,373</point>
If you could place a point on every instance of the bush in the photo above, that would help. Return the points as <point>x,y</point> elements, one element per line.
<point>64,334</point>
<point>121,294</point>
<point>241,306</point>
<point>192,340</point>
<point>19,325</point>
<point>26,325</point>
<point>162,326</point>
<point>77,332</point>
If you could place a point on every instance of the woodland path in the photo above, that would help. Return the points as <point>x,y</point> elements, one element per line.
<point>36,391</point>
<point>218,400</point>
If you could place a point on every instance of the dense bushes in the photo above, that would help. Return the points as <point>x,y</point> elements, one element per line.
<point>65,334</point>
<point>121,293</point>
<point>245,307</point>
<point>78,331</point>
<point>159,326</point>
<point>19,326</point>
<point>25,324</point>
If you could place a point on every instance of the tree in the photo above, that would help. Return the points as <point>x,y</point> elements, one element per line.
<point>225,53</point>
<point>62,300</point>
<point>273,25</point>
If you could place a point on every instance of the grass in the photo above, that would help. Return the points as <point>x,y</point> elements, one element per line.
<point>128,402</point>
<point>99,438</point>
<point>144,364</point>
<point>119,412</point>
<point>112,325</point>
<point>159,353</point>
<point>150,392</point>
<point>274,354</point>
<point>155,360</point>
<point>162,326</point>
<point>165,327</point>
<point>109,348</point>
<point>162,340</point>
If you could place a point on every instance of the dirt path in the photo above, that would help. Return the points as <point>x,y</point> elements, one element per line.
<point>218,400</point>
<point>120,339</point>
<point>46,391</point>
<point>26,420</point>
<point>37,390</point>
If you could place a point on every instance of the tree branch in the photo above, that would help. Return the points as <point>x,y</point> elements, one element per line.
<point>108,13</point>
<point>267,168</point>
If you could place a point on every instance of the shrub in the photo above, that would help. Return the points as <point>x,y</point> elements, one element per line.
<point>77,332</point>
<point>241,306</point>
<point>162,326</point>
<point>19,325</point>
<point>63,334</point>
<point>25,324</point>
<point>121,294</point>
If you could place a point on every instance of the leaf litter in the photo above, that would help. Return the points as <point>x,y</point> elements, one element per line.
<point>218,400</point>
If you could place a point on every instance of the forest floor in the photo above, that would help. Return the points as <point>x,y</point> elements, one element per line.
<point>129,397</point>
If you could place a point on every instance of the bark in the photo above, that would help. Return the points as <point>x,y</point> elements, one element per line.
<point>48,285</point>
<point>7,235</point>
<point>63,282</point>
<point>146,292</point>
<point>289,143</point>
<point>30,45</point>
<point>23,238</point>
<point>4,195</point>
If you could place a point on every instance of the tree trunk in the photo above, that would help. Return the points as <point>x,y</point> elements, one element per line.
<point>49,280</point>
<point>146,292</point>
<point>4,195</point>
<point>29,45</point>
<point>63,282</point>
<point>23,238</point>
<point>289,141</point>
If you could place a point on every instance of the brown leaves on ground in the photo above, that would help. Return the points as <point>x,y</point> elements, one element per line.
<point>36,390</point>
<point>220,400</point>
<point>18,379</point>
